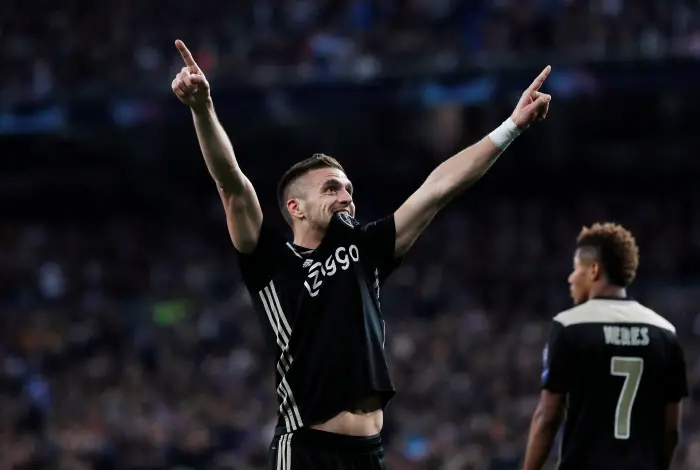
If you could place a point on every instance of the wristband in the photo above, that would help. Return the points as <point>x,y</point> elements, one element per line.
<point>503,135</point>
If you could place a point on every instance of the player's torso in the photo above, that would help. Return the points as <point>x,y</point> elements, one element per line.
<point>323,290</point>
<point>334,329</point>
<point>615,410</point>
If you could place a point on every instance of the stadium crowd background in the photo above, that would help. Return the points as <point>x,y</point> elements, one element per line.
<point>126,338</point>
<point>87,49</point>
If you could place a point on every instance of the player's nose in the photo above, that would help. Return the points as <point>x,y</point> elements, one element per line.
<point>344,197</point>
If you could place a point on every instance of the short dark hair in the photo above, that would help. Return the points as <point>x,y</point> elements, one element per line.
<point>299,169</point>
<point>614,248</point>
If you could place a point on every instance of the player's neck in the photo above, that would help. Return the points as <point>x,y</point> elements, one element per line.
<point>610,292</point>
<point>306,238</point>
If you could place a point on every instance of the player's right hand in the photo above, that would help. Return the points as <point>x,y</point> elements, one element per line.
<point>533,105</point>
<point>190,85</point>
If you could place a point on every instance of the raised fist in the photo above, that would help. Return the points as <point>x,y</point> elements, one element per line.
<point>190,85</point>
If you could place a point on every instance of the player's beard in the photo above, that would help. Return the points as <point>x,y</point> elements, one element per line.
<point>320,221</point>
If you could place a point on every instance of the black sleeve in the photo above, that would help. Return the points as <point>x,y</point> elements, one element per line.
<point>379,244</point>
<point>258,267</point>
<point>557,367</point>
<point>677,381</point>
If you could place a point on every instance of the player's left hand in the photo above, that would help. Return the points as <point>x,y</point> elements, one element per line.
<point>533,105</point>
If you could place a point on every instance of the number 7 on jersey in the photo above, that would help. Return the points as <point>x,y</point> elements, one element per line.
<point>631,368</point>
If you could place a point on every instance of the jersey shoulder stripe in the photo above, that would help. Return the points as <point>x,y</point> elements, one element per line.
<point>613,311</point>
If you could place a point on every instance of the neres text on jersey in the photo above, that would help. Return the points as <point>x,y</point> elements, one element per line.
<point>626,335</point>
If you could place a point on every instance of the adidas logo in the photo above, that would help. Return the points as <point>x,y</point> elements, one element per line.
<point>308,263</point>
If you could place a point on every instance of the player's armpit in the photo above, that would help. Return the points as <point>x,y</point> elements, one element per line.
<point>543,429</point>
<point>243,216</point>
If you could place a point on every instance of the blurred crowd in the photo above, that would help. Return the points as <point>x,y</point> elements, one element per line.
<point>109,47</point>
<point>132,344</point>
<point>129,343</point>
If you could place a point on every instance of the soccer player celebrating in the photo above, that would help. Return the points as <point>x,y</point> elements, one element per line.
<point>613,367</point>
<point>320,292</point>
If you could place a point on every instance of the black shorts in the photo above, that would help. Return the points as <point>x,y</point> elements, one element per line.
<point>311,449</point>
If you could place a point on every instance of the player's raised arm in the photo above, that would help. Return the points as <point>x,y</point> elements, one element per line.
<point>462,170</point>
<point>243,213</point>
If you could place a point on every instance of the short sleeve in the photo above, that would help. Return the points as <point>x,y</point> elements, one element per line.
<point>258,267</point>
<point>379,242</point>
<point>678,380</point>
<point>557,360</point>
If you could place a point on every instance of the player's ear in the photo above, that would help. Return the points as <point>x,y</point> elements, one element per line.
<point>596,271</point>
<point>295,208</point>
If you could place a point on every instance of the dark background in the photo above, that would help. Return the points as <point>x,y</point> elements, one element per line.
<point>126,338</point>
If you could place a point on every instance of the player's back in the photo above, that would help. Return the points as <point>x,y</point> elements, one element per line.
<point>624,367</point>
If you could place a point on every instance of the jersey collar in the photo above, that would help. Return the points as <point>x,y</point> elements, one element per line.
<point>336,219</point>
<point>609,297</point>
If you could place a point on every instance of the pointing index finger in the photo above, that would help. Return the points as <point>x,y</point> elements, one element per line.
<point>187,57</point>
<point>537,84</point>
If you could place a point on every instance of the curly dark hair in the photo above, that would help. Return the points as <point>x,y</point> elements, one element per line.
<point>615,248</point>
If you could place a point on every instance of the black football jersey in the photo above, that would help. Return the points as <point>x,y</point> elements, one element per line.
<point>322,309</point>
<point>619,365</point>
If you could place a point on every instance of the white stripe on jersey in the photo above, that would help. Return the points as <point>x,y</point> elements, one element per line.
<point>283,332</point>
<point>279,452</point>
<point>284,452</point>
<point>279,308</point>
<point>294,250</point>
